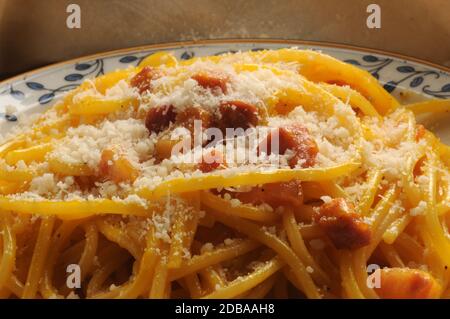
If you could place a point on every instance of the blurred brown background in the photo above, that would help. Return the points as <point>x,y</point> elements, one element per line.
<point>34,33</point>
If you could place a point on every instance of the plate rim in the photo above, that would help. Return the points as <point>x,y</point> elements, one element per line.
<point>174,44</point>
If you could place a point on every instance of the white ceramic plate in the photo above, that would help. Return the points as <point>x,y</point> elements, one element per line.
<point>407,78</point>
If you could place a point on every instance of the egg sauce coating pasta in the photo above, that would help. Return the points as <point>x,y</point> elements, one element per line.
<point>280,174</point>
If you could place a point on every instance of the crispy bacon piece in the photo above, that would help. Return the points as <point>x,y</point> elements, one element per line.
<point>142,80</point>
<point>238,114</point>
<point>211,81</point>
<point>406,283</point>
<point>420,132</point>
<point>342,224</point>
<point>86,183</point>
<point>296,138</point>
<point>337,82</point>
<point>211,161</point>
<point>105,162</point>
<point>187,117</point>
<point>159,118</point>
<point>287,194</point>
<point>116,169</point>
<point>419,167</point>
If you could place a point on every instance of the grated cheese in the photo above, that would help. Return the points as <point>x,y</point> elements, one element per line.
<point>419,209</point>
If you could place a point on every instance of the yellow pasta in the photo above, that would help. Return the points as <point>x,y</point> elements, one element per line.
<point>355,99</point>
<point>214,181</point>
<point>347,181</point>
<point>107,81</point>
<point>434,106</point>
<point>99,106</point>
<point>158,59</point>
<point>249,212</point>
<point>69,169</point>
<point>39,256</point>
<point>241,285</point>
<point>32,154</point>
<point>71,209</point>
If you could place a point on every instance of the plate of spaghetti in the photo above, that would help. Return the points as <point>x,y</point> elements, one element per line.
<point>226,169</point>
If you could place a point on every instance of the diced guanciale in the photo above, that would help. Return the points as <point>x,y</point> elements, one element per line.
<point>419,167</point>
<point>420,132</point>
<point>342,224</point>
<point>116,169</point>
<point>286,194</point>
<point>211,81</point>
<point>296,138</point>
<point>406,283</point>
<point>86,183</point>
<point>238,114</point>
<point>211,161</point>
<point>142,80</point>
<point>159,118</point>
<point>186,118</point>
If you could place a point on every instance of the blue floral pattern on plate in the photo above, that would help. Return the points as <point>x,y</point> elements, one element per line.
<point>42,88</point>
<point>412,75</point>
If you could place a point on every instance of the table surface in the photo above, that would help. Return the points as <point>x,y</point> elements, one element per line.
<point>33,33</point>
